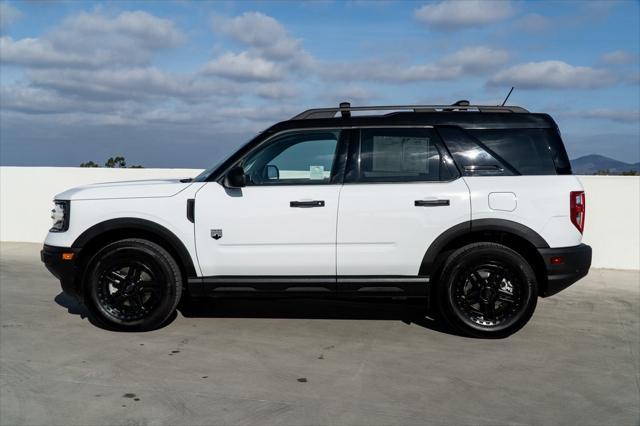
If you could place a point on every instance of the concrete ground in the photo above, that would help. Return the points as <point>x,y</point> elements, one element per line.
<point>316,362</point>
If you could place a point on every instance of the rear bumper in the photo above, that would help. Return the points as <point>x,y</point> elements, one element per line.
<point>65,270</point>
<point>576,262</point>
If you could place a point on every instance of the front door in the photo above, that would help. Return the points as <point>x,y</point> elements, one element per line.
<point>401,192</point>
<point>283,223</point>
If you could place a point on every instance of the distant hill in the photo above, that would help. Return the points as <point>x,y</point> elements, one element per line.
<point>590,164</point>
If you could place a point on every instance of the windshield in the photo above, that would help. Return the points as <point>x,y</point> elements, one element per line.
<point>203,176</point>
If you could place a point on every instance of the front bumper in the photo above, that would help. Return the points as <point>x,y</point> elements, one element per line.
<point>576,262</point>
<point>66,271</point>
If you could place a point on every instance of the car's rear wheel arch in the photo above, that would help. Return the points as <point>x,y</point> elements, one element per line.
<point>517,237</point>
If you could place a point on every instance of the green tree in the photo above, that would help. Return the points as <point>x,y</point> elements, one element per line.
<point>112,162</point>
<point>116,162</point>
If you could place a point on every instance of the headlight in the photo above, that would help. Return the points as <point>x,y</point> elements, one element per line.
<point>60,216</point>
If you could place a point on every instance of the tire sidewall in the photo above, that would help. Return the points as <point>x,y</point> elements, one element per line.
<point>153,256</point>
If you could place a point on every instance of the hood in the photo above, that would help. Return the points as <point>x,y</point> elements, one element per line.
<point>152,188</point>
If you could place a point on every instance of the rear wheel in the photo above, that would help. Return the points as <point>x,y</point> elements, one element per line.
<point>487,290</point>
<point>133,284</point>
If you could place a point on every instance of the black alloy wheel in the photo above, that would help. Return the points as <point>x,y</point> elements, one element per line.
<point>133,284</point>
<point>131,290</point>
<point>487,290</point>
<point>488,294</point>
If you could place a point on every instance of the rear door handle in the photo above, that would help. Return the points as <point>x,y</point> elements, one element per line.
<point>431,203</point>
<point>307,204</point>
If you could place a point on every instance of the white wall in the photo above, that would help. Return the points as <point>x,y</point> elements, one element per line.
<point>26,194</point>
<point>612,225</point>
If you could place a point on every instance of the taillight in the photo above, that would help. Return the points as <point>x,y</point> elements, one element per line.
<point>577,209</point>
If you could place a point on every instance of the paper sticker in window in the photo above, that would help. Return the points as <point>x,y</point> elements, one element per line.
<point>316,172</point>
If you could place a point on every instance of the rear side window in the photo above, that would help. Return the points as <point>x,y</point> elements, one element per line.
<point>471,156</point>
<point>526,150</point>
<point>399,155</point>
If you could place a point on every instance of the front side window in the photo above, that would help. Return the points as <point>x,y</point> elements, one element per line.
<point>294,159</point>
<point>400,155</point>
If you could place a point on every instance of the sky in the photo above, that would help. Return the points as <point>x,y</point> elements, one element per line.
<point>181,84</point>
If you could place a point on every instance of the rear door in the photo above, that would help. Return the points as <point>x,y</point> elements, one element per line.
<point>401,192</point>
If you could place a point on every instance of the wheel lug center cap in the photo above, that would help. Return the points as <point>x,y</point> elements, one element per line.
<point>130,288</point>
<point>487,293</point>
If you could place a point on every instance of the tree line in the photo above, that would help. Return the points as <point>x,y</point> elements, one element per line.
<point>112,162</point>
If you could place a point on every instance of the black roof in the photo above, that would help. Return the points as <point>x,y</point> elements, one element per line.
<point>464,119</point>
<point>461,114</point>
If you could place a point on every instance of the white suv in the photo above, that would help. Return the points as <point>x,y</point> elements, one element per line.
<point>474,207</point>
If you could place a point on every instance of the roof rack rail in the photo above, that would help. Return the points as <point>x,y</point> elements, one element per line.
<point>346,109</point>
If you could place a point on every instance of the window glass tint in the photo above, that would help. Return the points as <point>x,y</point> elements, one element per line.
<point>400,155</point>
<point>472,158</point>
<point>526,150</point>
<point>558,152</point>
<point>300,158</point>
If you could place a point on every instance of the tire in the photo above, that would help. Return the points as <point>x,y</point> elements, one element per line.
<point>487,290</point>
<point>132,285</point>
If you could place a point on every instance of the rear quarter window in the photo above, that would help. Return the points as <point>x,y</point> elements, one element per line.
<point>528,151</point>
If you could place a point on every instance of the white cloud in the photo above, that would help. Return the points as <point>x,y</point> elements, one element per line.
<point>34,52</point>
<point>8,15</point>
<point>270,54</point>
<point>387,72</point>
<point>472,60</point>
<point>244,67</point>
<point>261,32</point>
<point>476,59</point>
<point>265,38</point>
<point>94,59</point>
<point>133,84</point>
<point>95,68</point>
<point>140,27</point>
<point>553,75</point>
<point>277,90</point>
<point>33,100</point>
<point>618,57</point>
<point>458,14</point>
<point>92,40</point>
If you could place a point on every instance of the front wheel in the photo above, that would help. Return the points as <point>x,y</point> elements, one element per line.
<point>133,284</point>
<point>487,290</point>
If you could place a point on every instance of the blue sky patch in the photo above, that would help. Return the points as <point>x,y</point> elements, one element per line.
<point>179,84</point>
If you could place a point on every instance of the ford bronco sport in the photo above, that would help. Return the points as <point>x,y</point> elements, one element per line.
<point>473,207</point>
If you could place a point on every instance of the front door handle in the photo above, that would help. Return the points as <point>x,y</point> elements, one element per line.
<point>431,203</point>
<point>307,204</point>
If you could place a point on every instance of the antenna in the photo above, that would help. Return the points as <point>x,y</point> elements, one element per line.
<point>508,94</point>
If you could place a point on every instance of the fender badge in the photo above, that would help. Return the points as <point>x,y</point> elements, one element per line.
<point>216,234</point>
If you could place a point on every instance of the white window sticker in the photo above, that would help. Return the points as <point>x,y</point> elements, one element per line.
<point>316,172</point>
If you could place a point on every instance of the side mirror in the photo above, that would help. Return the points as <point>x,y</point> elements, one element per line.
<point>235,178</point>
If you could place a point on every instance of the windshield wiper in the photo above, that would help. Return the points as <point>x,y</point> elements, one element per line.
<point>186,180</point>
